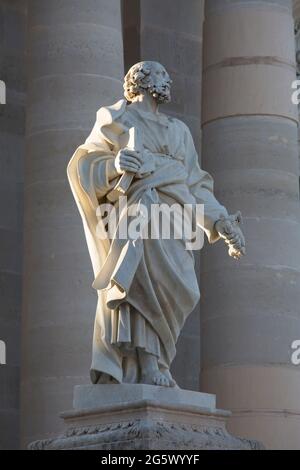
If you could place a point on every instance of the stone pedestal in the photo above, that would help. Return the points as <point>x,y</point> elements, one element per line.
<point>145,417</point>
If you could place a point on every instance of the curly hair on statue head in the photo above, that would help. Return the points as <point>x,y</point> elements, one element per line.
<point>141,78</point>
<point>137,79</point>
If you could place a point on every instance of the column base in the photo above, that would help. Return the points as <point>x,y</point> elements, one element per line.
<point>143,417</point>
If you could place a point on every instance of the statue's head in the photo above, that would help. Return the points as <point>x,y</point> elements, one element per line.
<point>148,77</point>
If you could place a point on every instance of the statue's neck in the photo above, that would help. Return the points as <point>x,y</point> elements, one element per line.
<point>145,103</point>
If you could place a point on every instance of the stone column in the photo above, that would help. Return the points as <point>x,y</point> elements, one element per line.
<point>12,124</point>
<point>75,63</point>
<point>171,33</point>
<point>296,4</point>
<point>250,310</point>
<point>296,13</point>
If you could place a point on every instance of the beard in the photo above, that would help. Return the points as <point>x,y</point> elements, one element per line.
<point>161,93</point>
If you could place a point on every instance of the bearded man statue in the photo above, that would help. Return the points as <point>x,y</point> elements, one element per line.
<point>147,287</point>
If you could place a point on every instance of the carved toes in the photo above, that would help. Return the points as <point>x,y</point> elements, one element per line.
<point>161,380</point>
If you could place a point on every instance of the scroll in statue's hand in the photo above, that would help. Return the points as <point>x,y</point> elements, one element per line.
<point>228,228</point>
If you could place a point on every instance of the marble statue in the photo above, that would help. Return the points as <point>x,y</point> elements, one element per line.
<point>146,287</point>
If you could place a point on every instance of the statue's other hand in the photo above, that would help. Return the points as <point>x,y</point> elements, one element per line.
<point>228,228</point>
<point>127,160</point>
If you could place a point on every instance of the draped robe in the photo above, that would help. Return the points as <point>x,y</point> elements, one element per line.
<point>146,287</point>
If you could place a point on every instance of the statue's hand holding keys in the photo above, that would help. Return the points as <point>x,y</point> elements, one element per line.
<point>228,228</point>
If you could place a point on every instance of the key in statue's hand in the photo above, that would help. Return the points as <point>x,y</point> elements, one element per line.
<point>228,228</point>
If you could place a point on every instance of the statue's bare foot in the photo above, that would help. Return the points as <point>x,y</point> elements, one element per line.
<point>150,373</point>
<point>155,377</point>
<point>172,382</point>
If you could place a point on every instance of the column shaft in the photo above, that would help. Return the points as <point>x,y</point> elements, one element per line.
<point>12,128</point>
<point>250,310</point>
<point>296,10</point>
<point>75,63</point>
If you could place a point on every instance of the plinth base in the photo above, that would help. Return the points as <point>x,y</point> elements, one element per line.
<point>143,417</point>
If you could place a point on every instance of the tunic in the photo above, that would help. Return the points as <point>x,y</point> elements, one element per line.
<point>146,287</point>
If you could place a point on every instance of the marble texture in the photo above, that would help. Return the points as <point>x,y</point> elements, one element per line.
<point>140,315</point>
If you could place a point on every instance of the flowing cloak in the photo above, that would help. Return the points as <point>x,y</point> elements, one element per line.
<point>146,287</point>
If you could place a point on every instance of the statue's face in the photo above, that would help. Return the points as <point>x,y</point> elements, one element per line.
<point>161,83</point>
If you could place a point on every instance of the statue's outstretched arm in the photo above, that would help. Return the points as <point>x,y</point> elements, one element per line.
<point>218,224</point>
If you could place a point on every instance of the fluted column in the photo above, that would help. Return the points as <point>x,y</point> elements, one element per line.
<point>12,124</point>
<point>250,310</point>
<point>75,63</point>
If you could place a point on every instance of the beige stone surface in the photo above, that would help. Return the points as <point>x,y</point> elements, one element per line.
<point>250,144</point>
<point>93,396</point>
<point>248,89</point>
<point>132,417</point>
<point>75,63</point>
<point>252,69</point>
<point>296,9</point>
<point>265,33</point>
